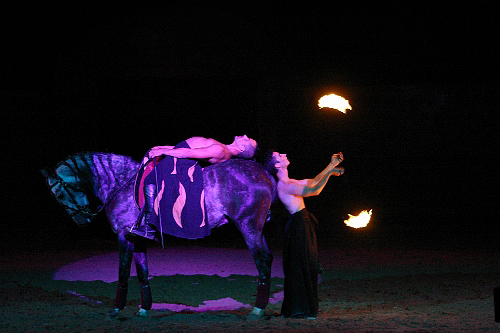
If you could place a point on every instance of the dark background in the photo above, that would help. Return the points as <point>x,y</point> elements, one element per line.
<point>419,143</point>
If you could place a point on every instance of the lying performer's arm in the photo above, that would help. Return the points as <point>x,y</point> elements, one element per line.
<point>159,150</point>
<point>211,152</point>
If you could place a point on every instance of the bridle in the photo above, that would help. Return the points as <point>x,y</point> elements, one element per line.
<point>85,210</point>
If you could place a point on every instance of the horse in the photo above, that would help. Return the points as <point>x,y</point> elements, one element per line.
<point>239,191</point>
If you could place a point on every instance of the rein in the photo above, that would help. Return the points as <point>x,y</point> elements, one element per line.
<point>85,210</point>
<point>112,196</point>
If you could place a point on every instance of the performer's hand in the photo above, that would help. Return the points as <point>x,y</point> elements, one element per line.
<point>336,159</point>
<point>338,171</point>
<point>159,150</point>
<point>155,152</point>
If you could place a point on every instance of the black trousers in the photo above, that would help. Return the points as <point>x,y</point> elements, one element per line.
<point>301,266</point>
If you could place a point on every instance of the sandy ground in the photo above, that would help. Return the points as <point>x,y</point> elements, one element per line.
<point>212,289</point>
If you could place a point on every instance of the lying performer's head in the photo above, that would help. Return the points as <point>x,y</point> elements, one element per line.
<point>247,146</point>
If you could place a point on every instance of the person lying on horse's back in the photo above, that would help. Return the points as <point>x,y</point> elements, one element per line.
<point>209,149</point>
<point>172,186</point>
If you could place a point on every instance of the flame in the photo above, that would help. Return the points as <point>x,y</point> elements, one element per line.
<point>334,102</point>
<point>359,221</point>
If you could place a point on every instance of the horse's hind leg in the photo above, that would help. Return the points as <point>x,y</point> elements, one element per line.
<point>257,245</point>
<point>263,260</point>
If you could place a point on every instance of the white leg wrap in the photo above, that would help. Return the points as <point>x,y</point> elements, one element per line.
<point>257,311</point>
<point>142,313</point>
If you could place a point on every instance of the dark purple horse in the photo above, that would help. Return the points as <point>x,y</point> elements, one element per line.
<point>237,190</point>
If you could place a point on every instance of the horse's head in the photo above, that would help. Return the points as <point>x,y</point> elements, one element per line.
<point>71,190</point>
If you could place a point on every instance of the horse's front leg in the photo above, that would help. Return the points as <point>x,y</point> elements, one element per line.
<point>126,252</point>
<point>141,265</point>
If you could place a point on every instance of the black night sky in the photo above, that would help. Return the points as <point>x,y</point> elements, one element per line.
<point>418,144</point>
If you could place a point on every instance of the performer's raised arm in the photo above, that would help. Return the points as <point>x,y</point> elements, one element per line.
<point>315,186</point>
<point>308,187</point>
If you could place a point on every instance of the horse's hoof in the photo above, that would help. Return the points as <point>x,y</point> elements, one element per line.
<point>141,313</point>
<point>256,313</point>
<point>113,313</point>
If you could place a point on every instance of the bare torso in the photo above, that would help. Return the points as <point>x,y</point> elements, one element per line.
<point>293,203</point>
<point>221,152</point>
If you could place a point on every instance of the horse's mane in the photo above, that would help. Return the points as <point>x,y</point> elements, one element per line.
<point>127,160</point>
<point>104,154</point>
<point>113,170</point>
<point>86,165</point>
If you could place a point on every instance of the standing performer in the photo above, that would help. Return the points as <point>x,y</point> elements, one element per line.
<point>300,249</point>
<point>169,186</point>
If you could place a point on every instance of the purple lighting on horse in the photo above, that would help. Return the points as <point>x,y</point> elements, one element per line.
<point>237,190</point>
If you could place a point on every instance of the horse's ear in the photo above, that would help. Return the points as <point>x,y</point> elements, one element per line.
<point>45,173</point>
